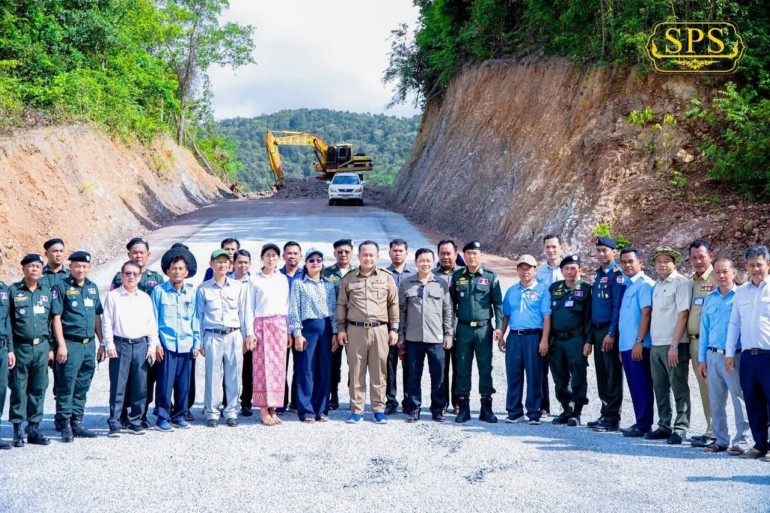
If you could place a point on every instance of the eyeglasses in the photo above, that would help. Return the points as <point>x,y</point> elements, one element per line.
<point>315,261</point>
<point>130,274</point>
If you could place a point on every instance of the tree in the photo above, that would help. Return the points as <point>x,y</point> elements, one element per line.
<point>193,40</point>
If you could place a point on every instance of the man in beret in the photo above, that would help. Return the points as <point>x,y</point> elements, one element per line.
<point>478,303</point>
<point>606,294</point>
<point>571,340</point>
<point>343,253</point>
<point>139,252</point>
<point>33,306</point>
<point>670,346</point>
<point>76,329</point>
<point>7,357</point>
<point>179,334</point>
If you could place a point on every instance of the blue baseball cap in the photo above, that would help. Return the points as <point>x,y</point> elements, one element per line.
<point>313,251</point>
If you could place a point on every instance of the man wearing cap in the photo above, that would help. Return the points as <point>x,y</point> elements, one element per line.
<point>226,320</point>
<point>703,284</point>
<point>670,351</point>
<point>367,323</point>
<point>292,253</point>
<point>571,340</point>
<point>750,325</point>
<point>527,314</point>
<point>231,245</point>
<point>131,340</point>
<point>76,329</point>
<point>606,295</point>
<point>32,307</point>
<point>398,251</point>
<point>139,252</point>
<point>477,299</point>
<point>7,356</point>
<point>343,253</point>
<point>54,270</point>
<point>447,266</point>
<point>179,333</point>
<point>547,273</point>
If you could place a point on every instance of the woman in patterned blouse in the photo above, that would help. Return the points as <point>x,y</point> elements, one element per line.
<point>312,321</point>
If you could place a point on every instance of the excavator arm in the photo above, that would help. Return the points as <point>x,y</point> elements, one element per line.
<point>275,139</point>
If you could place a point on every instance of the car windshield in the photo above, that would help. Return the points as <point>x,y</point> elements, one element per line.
<point>345,180</point>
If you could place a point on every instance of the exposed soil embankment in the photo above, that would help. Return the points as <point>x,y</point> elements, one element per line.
<point>522,148</point>
<point>93,191</point>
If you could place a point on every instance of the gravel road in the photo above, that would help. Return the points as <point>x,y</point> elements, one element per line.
<point>338,467</point>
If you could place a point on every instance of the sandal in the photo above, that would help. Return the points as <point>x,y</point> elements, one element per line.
<point>715,447</point>
<point>308,420</point>
<point>735,451</point>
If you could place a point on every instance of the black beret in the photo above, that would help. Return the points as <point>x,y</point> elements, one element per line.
<point>269,246</point>
<point>569,259</point>
<point>137,240</point>
<point>80,256</point>
<point>31,258</point>
<point>474,244</point>
<point>343,242</point>
<point>606,241</point>
<point>189,260</point>
<point>52,242</point>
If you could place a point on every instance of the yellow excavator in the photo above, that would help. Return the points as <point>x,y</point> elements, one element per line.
<point>330,159</point>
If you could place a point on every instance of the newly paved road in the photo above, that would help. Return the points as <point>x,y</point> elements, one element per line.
<point>337,467</point>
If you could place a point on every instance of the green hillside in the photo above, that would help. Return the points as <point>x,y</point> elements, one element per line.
<point>387,139</point>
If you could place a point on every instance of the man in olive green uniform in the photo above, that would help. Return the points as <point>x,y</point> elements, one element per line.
<point>343,253</point>
<point>54,270</point>
<point>477,298</point>
<point>75,330</point>
<point>33,305</point>
<point>570,340</point>
<point>7,357</point>
<point>703,283</point>
<point>139,251</point>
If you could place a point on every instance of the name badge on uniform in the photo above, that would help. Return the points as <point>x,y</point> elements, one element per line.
<point>483,281</point>
<point>38,309</point>
<point>569,303</point>
<point>88,302</point>
<point>699,301</point>
<point>462,294</point>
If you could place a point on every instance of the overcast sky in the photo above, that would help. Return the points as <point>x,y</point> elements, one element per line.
<point>314,54</point>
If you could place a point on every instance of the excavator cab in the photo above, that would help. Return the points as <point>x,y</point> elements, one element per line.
<point>337,156</point>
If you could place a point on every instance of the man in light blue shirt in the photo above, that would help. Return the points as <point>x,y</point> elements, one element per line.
<point>547,273</point>
<point>635,342</point>
<point>715,318</point>
<point>527,316</point>
<point>180,338</point>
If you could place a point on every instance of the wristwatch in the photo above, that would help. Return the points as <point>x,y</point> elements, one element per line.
<point>638,340</point>
<point>673,346</point>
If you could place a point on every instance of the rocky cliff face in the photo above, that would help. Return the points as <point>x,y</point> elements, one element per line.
<point>93,191</point>
<point>522,148</point>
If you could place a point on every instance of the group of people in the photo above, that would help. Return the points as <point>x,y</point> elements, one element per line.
<point>448,308</point>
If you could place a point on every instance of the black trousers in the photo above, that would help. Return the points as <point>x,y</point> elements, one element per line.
<point>336,370</point>
<point>609,376</point>
<point>391,390</point>
<point>152,377</point>
<point>128,382</point>
<point>450,383</point>
<point>545,402</point>
<point>293,352</point>
<point>415,361</point>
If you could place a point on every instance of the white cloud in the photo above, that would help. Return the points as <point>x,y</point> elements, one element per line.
<point>315,54</point>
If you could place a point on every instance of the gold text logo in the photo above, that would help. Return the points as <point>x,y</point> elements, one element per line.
<point>695,47</point>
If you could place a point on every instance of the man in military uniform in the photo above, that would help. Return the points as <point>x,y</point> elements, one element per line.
<point>571,340</point>
<point>54,271</point>
<point>33,305</point>
<point>703,284</point>
<point>343,253</point>
<point>7,357</point>
<point>477,298</point>
<point>75,330</point>
<point>606,294</point>
<point>447,266</point>
<point>367,323</point>
<point>139,252</point>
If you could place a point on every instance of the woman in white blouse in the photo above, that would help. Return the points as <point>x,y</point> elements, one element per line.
<point>270,299</point>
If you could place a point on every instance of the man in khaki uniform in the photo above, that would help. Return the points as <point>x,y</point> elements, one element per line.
<point>703,284</point>
<point>367,323</point>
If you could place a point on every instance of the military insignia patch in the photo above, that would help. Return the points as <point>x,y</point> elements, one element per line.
<point>707,288</point>
<point>578,293</point>
<point>44,299</point>
<point>92,291</point>
<point>3,295</point>
<point>152,283</point>
<point>54,293</point>
<point>483,281</point>
<point>20,297</point>
<point>620,279</point>
<point>604,280</point>
<point>534,296</point>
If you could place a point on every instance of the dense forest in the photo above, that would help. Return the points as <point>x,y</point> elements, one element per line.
<point>387,139</point>
<point>450,33</point>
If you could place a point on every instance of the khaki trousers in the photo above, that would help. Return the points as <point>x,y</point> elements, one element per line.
<point>367,349</point>
<point>702,384</point>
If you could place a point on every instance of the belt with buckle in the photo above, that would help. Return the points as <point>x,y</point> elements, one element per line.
<point>79,340</point>
<point>601,325</point>
<point>526,332</point>
<point>756,351</point>
<point>474,324</point>
<point>372,324</point>
<point>564,335</point>
<point>30,341</point>
<point>130,340</point>
<point>225,331</point>
<point>721,351</point>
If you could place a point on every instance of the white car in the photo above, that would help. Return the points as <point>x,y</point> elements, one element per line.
<point>346,187</point>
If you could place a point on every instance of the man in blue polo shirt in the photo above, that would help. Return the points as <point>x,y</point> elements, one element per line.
<point>527,314</point>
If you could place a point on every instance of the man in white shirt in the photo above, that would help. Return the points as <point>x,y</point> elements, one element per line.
<point>131,341</point>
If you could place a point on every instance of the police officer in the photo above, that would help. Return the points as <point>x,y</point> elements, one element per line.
<point>606,294</point>
<point>139,252</point>
<point>343,253</point>
<point>75,330</point>
<point>477,298</point>
<point>32,306</point>
<point>7,357</point>
<point>54,270</point>
<point>570,340</point>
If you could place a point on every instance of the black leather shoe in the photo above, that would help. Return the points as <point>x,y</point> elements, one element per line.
<point>562,418</point>
<point>188,416</point>
<point>657,435</point>
<point>66,435</point>
<point>232,422</point>
<point>4,446</point>
<point>674,439</point>
<point>464,413</point>
<point>486,414</point>
<point>18,436</point>
<point>633,432</point>
<point>595,423</point>
<point>390,409</point>
<point>58,425</point>
<point>212,423</point>
<point>573,421</point>
<point>334,401</point>
<point>607,426</point>
<point>78,431</point>
<point>439,417</point>
<point>247,412</point>
<point>413,415</point>
<point>34,436</point>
